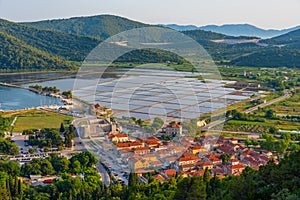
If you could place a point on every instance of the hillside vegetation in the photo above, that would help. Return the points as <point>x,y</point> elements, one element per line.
<point>62,44</point>
<point>17,55</point>
<point>101,26</point>
<point>71,47</point>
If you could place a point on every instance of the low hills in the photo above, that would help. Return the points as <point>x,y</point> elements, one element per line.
<point>235,30</point>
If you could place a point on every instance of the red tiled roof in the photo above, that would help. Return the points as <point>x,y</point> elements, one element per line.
<point>206,164</point>
<point>197,147</point>
<point>128,144</point>
<point>188,155</point>
<point>170,172</point>
<point>187,166</point>
<point>142,149</point>
<point>174,126</point>
<point>153,138</point>
<point>159,177</point>
<point>239,166</point>
<point>182,159</point>
<point>196,173</point>
<point>121,135</point>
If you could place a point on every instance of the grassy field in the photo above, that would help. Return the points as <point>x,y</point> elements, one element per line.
<point>36,119</point>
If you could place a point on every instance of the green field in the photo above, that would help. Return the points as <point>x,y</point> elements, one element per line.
<point>39,119</point>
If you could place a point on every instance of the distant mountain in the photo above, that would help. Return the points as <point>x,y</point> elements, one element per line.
<point>101,26</point>
<point>180,27</point>
<point>235,30</point>
<point>246,30</point>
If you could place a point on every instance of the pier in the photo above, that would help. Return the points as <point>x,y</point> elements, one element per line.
<point>20,86</point>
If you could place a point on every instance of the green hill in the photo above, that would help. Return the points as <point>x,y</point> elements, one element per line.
<point>101,26</point>
<point>289,40</point>
<point>17,55</point>
<point>71,47</point>
<point>270,58</point>
<point>283,51</point>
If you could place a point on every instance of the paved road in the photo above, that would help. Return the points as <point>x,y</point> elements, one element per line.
<point>286,94</point>
<point>104,175</point>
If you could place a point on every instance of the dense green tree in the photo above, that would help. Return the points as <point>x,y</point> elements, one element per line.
<point>8,147</point>
<point>60,164</point>
<point>191,188</point>
<point>270,114</point>
<point>31,150</point>
<point>46,167</point>
<point>133,180</point>
<point>206,176</point>
<point>225,158</point>
<point>157,123</point>
<point>62,128</point>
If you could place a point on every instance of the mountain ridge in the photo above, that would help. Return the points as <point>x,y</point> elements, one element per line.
<point>100,26</point>
<point>236,30</point>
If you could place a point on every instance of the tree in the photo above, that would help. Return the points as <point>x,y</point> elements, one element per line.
<point>8,147</point>
<point>67,94</point>
<point>157,123</point>
<point>139,122</point>
<point>225,158</point>
<point>31,150</point>
<point>62,128</point>
<point>191,188</point>
<point>133,179</point>
<point>47,168</point>
<point>270,114</point>
<point>76,166</point>
<point>32,168</point>
<point>248,142</point>
<point>273,130</point>
<point>86,159</point>
<point>206,176</point>
<point>60,164</point>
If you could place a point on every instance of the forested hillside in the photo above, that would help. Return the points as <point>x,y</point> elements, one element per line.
<point>289,40</point>
<point>101,26</point>
<point>71,47</point>
<point>16,55</point>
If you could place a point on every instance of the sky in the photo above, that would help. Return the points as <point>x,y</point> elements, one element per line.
<point>268,14</point>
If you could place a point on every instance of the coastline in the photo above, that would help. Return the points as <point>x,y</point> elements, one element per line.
<point>66,102</point>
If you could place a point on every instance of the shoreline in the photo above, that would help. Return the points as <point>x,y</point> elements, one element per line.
<point>57,96</point>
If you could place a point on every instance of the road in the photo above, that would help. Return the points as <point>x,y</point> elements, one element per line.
<point>217,122</point>
<point>89,115</point>
<point>286,94</point>
<point>104,175</point>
